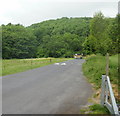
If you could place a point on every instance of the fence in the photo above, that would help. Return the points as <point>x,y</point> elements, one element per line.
<point>107,96</point>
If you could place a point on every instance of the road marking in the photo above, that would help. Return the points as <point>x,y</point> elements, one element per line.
<point>63,64</point>
<point>56,63</point>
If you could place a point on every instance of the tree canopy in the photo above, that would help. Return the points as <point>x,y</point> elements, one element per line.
<point>61,37</point>
<point>18,42</point>
<point>103,35</point>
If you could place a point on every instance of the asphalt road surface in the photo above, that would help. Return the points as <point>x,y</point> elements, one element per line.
<point>52,89</point>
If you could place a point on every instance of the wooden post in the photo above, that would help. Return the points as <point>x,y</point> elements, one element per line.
<point>31,64</point>
<point>4,66</point>
<point>107,64</point>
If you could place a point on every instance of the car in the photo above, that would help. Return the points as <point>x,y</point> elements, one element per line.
<point>78,56</point>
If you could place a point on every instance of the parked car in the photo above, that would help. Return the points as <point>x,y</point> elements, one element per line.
<point>78,56</point>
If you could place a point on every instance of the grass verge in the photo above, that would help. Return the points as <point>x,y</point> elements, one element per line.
<point>19,65</point>
<point>95,109</point>
<point>93,69</point>
<point>95,66</point>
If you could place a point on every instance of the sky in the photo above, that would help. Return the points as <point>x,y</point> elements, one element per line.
<point>27,12</point>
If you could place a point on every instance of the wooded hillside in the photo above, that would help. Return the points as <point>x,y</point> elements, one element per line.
<point>61,37</point>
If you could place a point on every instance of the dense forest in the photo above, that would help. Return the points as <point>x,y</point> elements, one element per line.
<point>62,37</point>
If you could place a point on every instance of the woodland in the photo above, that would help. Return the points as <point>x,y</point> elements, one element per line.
<point>62,37</point>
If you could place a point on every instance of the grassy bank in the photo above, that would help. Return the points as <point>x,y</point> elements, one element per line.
<point>95,66</point>
<point>93,69</point>
<point>19,65</point>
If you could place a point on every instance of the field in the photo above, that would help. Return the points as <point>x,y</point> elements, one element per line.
<point>19,65</point>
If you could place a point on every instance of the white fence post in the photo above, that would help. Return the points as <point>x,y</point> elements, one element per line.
<point>113,101</point>
<point>103,90</point>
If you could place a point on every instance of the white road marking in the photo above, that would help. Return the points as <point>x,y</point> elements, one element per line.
<point>63,64</point>
<point>56,63</point>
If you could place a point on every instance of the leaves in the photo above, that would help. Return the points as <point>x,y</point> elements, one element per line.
<point>62,37</point>
<point>99,40</point>
<point>18,42</point>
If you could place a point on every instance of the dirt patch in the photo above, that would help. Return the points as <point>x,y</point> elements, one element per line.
<point>116,92</point>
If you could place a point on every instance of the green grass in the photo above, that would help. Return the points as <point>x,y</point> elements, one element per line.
<point>114,69</point>
<point>95,66</point>
<point>0,67</point>
<point>19,65</point>
<point>95,109</point>
<point>93,69</point>
<point>98,109</point>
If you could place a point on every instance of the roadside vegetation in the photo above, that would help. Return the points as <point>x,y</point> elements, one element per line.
<point>0,67</point>
<point>93,69</point>
<point>95,109</point>
<point>19,65</point>
<point>103,38</point>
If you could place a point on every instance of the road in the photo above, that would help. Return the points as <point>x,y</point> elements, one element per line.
<point>52,89</point>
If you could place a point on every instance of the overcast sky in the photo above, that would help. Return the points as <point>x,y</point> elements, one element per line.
<point>27,12</point>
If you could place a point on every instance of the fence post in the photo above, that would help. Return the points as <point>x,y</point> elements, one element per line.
<point>114,105</point>
<point>103,89</point>
<point>107,64</point>
<point>31,63</point>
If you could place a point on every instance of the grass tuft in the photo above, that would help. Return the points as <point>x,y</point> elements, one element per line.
<point>95,109</point>
<point>98,109</point>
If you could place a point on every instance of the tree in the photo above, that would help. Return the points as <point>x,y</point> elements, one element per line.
<point>114,34</point>
<point>61,37</point>
<point>18,42</point>
<point>98,40</point>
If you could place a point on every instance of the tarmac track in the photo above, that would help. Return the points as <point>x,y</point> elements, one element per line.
<point>52,89</point>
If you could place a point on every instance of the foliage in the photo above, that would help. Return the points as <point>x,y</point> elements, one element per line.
<point>62,37</point>
<point>53,38</point>
<point>18,42</point>
<point>100,40</point>
<point>59,45</point>
<point>114,34</point>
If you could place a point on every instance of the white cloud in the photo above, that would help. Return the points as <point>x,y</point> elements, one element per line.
<point>27,12</point>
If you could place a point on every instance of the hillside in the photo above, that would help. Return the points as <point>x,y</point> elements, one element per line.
<point>53,38</point>
<point>61,37</point>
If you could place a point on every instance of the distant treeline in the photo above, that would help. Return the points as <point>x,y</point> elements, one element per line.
<point>61,37</point>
